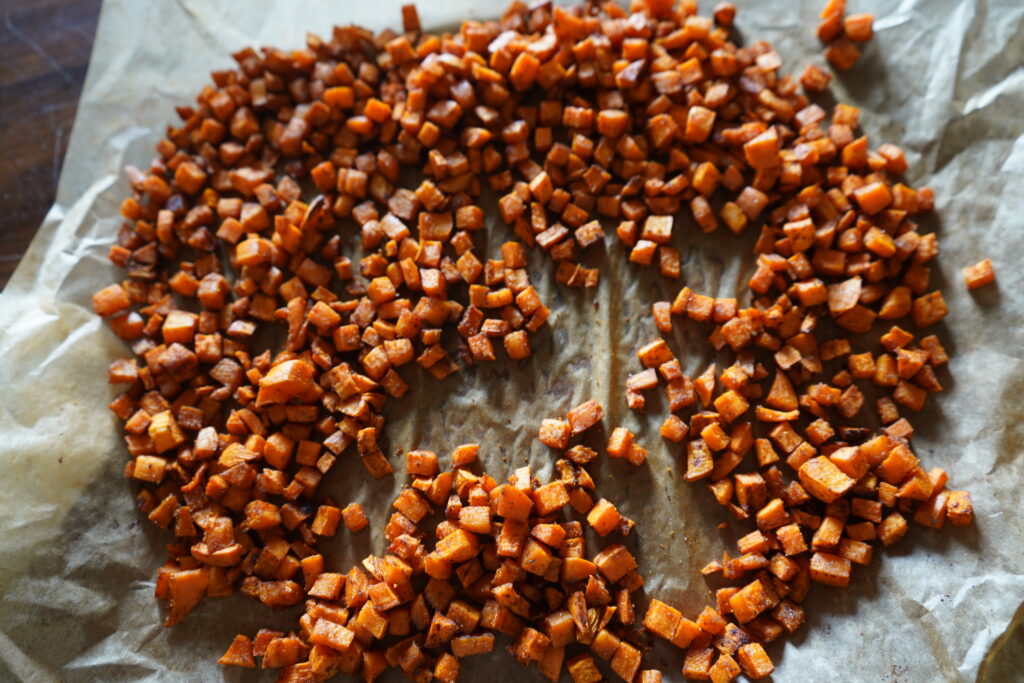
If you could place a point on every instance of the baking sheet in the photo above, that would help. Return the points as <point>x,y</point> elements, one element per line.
<point>942,78</point>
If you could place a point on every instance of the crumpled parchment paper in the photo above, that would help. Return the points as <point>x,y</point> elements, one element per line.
<point>942,78</point>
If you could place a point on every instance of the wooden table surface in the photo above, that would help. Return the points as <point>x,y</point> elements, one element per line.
<point>44,53</point>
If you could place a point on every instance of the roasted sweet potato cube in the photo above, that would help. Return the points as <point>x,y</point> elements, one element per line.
<point>662,619</point>
<point>476,518</point>
<point>582,669</point>
<point>959,510</point>
<point>164,432</point>
<point>603,517</point>
<point>979,275</point>
<point>555,433</point>
<point>511,503</point>
<point>711,621</point>
<point>824,480</point>
<point>755,661</point>
<point>831,570</point>
<point>699,462</point>
<point>535,558</point>
<point>458,546</point>
<point>731,405</point>
<point>464,646</point>
<point>773,515</point>
<point>239,653</point>
<point>655,354</point>
<point>560,628</point>
<point>447,667</point>
<point>619,442</point>
<point>724,669</point>
<point>626,661</point>
<point>585,416</point>
<point>326,521</point>
<point>685,633</point>
<point>857,552</point>
<point>697,663</point>
<point>750,601</point>
<point>332,635</point>
<point>615,562</point>
<point>550,498</point>
<point>604,644</point>
<point>531,646</point>
<point>791,539</point>
<point>355,518</point>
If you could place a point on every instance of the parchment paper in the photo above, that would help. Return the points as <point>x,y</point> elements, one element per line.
<point>942,78</point>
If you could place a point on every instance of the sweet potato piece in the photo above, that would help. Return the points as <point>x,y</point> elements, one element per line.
<point>755,661</point>
<point>603,517</point>
<point>724,669</point>
<point>830,570</point>
<point>858,27</point>
<point>626,661</point>
<point>585,416</point>
<point>928,309</point>
<point>555,433</point>
<point>465,646</point>
<point>979,275</point>
<point>239,653</point>
<point>662,619</point>
<point>697,663</point>
<point>824,480</point>
<point>763,151</point>
<point>110,300</point>
<point>615,562</point>
<point>185,588</point>
<point>750,601</point>
<point>332,635</point>
<point>959,510</point>
<point>583,670</point>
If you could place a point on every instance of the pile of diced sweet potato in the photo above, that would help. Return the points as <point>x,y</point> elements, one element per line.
<point>579,120</point>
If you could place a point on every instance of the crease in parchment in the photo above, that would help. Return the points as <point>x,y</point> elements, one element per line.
<point>68,524</point>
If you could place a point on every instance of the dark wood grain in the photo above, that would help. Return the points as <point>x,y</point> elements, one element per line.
<point>44,54</point>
